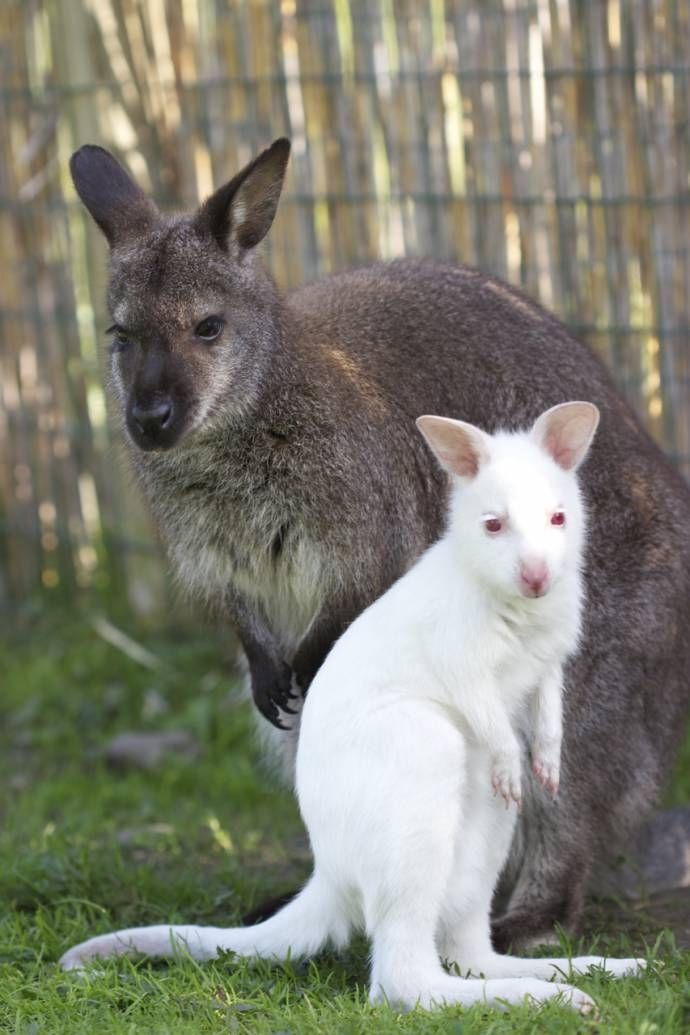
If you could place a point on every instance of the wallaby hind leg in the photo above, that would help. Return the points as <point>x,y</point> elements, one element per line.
<point>550,874</point>
<point>464,932</point>
<point>534,923</point>
<point>403,921</point>
<point>543,885</point>
<point>406,972</point>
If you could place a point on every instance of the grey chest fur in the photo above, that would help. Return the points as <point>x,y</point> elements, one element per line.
<point>230,517</point>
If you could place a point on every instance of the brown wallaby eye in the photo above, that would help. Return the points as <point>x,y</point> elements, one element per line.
<point>120,339</point>
<point>209,328</point>
<point>493,525</point>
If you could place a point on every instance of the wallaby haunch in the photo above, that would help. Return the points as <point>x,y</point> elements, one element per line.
<point>274,439</point>
<point>443,669</point>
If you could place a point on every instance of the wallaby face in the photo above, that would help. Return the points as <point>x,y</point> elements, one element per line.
<point>519,516</point>
<point>193,312</point>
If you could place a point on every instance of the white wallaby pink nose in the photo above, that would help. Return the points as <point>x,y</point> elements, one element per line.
<point>534,578</point>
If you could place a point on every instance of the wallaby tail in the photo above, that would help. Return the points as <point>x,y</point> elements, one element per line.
<point>301,928</point>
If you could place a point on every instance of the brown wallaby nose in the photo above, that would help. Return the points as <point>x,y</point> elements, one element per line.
<point>155,418</point>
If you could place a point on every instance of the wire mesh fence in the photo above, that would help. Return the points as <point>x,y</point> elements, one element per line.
<point>544,141</point>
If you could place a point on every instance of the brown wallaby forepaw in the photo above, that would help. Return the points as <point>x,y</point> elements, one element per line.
<point>273,696</point>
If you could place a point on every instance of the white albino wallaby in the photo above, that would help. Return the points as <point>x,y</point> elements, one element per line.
<point>411,720</point>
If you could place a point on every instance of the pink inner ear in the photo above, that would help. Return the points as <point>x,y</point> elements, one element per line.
<point>458,446</point>
<point>457,450</point>
<point>464,461</point>
<point>566,431</point>
<point>564,455</point>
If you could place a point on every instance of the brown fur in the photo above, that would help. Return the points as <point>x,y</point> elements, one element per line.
<point>292,486</point>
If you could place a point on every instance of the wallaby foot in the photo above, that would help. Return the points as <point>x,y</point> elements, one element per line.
<point>446,990</point>
<point>561,969</point>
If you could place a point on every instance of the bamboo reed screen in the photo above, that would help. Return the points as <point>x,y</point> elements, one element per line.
<point>547,141</point>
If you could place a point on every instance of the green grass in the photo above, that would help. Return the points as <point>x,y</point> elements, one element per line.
<point>84,849</point>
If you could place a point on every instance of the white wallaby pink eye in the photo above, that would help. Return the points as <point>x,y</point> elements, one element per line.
<point>558,518</point>
<point>493,525</point>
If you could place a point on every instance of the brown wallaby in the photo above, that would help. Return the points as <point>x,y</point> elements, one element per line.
<point>275,441</point>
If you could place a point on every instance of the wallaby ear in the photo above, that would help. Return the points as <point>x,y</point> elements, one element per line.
<point>459,447</point>
<point>242,211</point>
<point>566,432</point>
<point>115,201</point>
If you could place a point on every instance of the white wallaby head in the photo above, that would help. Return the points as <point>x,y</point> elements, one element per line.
<point>516,510</point>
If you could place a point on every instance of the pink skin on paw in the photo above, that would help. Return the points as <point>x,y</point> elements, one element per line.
<point>547,774</point>
<point>507,786</point>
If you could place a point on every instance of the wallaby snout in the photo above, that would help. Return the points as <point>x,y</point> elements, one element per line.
<point>534,578</point>
<point>151,423</point>
<point>156,396</point>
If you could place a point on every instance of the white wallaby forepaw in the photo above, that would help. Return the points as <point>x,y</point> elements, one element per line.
<point>547,772</point>
<point>506,779</point>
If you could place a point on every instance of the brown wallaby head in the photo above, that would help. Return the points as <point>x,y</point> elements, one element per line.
<point>196,316</point>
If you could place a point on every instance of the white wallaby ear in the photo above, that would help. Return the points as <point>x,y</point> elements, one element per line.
<point>459,447</point>
<point>566,432</point>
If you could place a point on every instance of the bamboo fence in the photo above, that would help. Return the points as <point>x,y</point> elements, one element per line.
<point>546,141</point>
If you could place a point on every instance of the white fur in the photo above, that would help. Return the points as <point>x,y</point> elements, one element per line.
<point>409,722</point>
